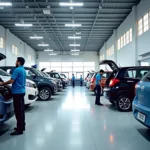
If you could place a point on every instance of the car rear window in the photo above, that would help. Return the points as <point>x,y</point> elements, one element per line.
<point>136,73</point>
<point>146,78</point>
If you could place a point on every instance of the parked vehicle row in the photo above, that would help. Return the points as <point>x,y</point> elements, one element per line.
<point>91,79</point>
<point>39,84</point>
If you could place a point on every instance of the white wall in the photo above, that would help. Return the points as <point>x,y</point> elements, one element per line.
<point>140,45</point>
<point>23,49</point>
<point>86,57</point>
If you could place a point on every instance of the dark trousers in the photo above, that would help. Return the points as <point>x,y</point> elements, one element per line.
<point>73,83</point>
<point>98,94</point>
<point>81,83</point>
<point>18,100</point>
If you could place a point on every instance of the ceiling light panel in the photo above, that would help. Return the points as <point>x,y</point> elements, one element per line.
<point>75,45</point>
<point>23,25</point>
<point>73,25</point>
<point>36,37</point>
<point>48,50</point>
<point>43,45</point>
<point>5,4</point>
<point>74,37</point>
<point>71,4</point>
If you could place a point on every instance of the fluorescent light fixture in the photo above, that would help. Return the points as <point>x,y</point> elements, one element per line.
<point>48,50</point>
<point>75,54</point>
<point>73,25</point>
<point>53,54</point>
<point>70,4</point>
<point>78,33</point>
<point>75,45</point>
<point>75,50</point>
<point>71,7</point>
<point>5,4</point>
<point>43,45</point>
<point>23,25</point>
<point>74,37</point>
<point>36,37</point>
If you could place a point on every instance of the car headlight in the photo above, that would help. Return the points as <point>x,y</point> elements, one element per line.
<point>28,84</point>
<point>53,81</point>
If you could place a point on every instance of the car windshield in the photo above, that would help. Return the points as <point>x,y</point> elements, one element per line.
<point>3,73</point>
<point>46,75</point>
<point>62,76</point>
<point>36,72</point>
<point>146,78</point>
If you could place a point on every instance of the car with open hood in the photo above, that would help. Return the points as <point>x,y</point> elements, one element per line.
<point>6,100</point>
<point>120,85</point>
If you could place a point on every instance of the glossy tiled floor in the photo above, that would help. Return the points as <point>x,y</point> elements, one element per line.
<point>71,121</point>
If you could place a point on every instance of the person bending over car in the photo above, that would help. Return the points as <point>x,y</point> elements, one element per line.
<point>18,80</point>
<point>98,87</point>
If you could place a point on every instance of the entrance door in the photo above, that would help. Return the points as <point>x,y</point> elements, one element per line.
<point>78,74</point>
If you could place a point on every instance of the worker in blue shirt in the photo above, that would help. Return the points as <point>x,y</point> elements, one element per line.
<point>81,80</point>
<point>73,80</point>
<point>98,87</point>
<point>18,81</point>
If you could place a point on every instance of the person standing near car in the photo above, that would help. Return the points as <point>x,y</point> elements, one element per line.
<point>18,80</point>
<point>73,80</point>
<point>81,80</point>
<point>98,87</point>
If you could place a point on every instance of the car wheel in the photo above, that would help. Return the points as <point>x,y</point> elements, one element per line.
<point>124,104</point>
<point>45,94</point>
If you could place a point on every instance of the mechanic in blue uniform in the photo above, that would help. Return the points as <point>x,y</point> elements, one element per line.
<point>98,87</point>
<point>18,80</point>
<point>81,80</point>
<point>73,80</point>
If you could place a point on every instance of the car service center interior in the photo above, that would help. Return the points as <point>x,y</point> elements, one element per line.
<point>86,74</point>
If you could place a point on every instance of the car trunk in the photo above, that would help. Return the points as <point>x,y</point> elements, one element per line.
<point>114,68</point>
<point>143,91</point>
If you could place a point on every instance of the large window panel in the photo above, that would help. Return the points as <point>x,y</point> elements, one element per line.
<point>77,64</point>
<point>66,69</point>
<point>145,22</point>
<point>87,64</point>
<point>140,26</point>
<point>1,42</point>
<point>86,69</point>
<point>66,64</point>
<point>118,44</point>
<point>77,69</point>
<point>56,64</point>
<point>57,69</point>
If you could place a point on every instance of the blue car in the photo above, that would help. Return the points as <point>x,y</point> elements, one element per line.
<point>141,103</point>
<point>6,101</point>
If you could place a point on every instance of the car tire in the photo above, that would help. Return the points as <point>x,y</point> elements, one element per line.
<point>124,104</point>
<point>45,93</point>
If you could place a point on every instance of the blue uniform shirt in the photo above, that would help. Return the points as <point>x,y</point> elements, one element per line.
<point>98,78</point>
<point>19,77</point>
<point>73,78</point>
<point>81,79</point>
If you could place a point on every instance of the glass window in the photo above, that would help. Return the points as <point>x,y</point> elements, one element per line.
<point>118,44</point>
<point>66,64</point>
<point>130,34</point>
<point>1,42</point>
<point>56,64</point>
<point>145,22</point>
<point>46,64</point>
<point>77,64</point>
<point>130,74</point>
<point>66,69</point>
<point>146,77</point>
<point>127,37</point>
<point>140,26</point>
<point>86,69</point>
<point>121,44</point>
<point>89,63</point>
<point>57,69</point>
<point>77,69</point>
<point>124,39</point>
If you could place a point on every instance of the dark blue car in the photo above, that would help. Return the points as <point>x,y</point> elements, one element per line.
<point>6,101</point>
<point>141,103</point>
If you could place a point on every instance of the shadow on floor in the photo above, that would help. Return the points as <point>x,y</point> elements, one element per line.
<point>111,107</point>
<point>4,128</point>
<point>145,133</point>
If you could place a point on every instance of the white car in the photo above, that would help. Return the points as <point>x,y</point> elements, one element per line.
<point>31,89</point>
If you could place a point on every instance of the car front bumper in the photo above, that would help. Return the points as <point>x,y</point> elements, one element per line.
<point>138,108</point>
<point>31,95</point>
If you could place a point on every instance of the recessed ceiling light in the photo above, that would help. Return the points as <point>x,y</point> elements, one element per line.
<point>74,37</point>
<point>43,45</point>
<point>70,4</point>
<point>48,50</point>
<point>78,33</point>
<point>73,25</point>
<point>75,50</point>
<point>36,37</point>
<point>71,7</point>
<point>77,45</point>
<point>5,4</point>
<point>23,25</point>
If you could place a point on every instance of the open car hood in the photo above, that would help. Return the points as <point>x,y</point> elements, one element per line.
<point>111,64</point>
<point>2,56</point>
<point>43,69</point>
